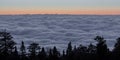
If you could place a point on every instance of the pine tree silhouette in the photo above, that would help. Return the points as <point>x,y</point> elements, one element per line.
<point>23,51</point>
<point>56,54</point>
<point>69,52</point>
<point>42,54</point>
<point>116,50</point>
<point>102,49</point>
<point>6,44</point>
<point>15,55</point>
<point>50,56</point>
<point>33,49</point>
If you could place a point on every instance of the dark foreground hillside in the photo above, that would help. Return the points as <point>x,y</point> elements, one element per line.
<point>100,51</point>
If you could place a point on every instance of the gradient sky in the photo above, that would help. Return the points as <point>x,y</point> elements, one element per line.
<point>59,6</point>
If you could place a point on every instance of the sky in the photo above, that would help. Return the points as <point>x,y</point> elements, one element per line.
<point>59,6</point>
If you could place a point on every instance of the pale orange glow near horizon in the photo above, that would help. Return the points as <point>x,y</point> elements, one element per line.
<point>98,12</point>
<point>99,7</point>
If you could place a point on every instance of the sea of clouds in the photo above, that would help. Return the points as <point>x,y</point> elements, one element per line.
<point>58,30</point>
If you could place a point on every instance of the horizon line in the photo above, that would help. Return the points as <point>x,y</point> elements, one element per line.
<point>57,14</point>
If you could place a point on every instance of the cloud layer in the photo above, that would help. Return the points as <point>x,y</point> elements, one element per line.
<point>58,30</point>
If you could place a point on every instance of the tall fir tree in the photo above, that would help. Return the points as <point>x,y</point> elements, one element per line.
<point>33,49</point>
<point>23,51</point>
<point>102,49</point>
<point>116,50</point>
<point>56,54</point>
<point>6,43</point>
<point>69,52</point>
<point>22,48</point>
<point>42,54</point>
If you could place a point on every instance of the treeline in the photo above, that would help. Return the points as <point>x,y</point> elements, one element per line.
<point>100,51</point>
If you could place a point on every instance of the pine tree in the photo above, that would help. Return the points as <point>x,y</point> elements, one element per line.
<point>69,52</point>
<point>116,50</point>
<point>33,49</point>
<point>63,57</point>
<point>15,54</point>
<point>6,43</point>
<point>102,49</point>
<point>15,51</point>
<point>50,56</point>
<point>56,54</point>
<point>42,54</point>
<point>22,48</point>
<point>23,51</point>
<point>63,54</point>
<point>69,49</point>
